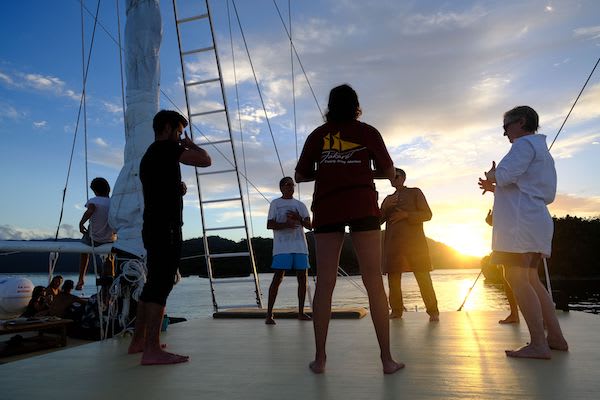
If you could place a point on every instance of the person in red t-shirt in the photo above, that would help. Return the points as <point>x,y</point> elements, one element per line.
<point>339,157</point>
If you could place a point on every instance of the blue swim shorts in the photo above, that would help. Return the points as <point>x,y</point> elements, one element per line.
<point>290,261</point>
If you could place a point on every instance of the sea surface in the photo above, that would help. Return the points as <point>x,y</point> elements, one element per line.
<point>191,297</point>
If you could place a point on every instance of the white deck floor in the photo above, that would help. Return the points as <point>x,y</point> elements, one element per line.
<point>458,358</point>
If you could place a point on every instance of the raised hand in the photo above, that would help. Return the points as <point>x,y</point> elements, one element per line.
<point>187,142</point>
<point>491,174</point>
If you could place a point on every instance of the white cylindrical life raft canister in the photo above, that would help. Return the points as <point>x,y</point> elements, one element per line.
<point>15,294</point>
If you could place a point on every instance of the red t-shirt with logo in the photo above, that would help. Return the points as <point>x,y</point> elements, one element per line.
<point>342,156</point>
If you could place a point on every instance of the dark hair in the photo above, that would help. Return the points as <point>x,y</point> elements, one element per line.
<point>100,187</point>
<point>528,114</point>
<point>167,117</point>
<point>285,178</point>
<point>68,285</point>
<point>343,104</point>
<point>37,292</point>
<point>400,171</point>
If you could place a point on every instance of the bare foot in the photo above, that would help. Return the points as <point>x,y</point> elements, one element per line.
<point>389,367</point>
<point>135,348</point>
<point>559,344</point>
<point>304,317</point>
<point>434,318</point>
<point>511,319</point>
<point>530,351</point>
<point>395,315</point>
<point>270,321</point>
<point>318,367</point>
<point>79,285</point>
<point>163,357</point>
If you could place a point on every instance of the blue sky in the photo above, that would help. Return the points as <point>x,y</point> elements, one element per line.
<point>433,77</point>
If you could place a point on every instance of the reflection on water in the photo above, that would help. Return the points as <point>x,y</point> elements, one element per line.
<point>191,297</point>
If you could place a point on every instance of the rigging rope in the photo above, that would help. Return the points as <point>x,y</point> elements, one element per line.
<point>293,86</point>
<point>239,117</point>
<point>298,58</point>
<point>62,207</point>
<point>176,107</point>
<point>257,86</point>
<point>121,63</point>
<point>575,102</point>
<point>128,285</point>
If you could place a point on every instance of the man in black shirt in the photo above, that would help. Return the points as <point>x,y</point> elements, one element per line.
<point>163,205</point>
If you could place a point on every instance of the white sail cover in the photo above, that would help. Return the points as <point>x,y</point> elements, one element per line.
<point>143,34</point>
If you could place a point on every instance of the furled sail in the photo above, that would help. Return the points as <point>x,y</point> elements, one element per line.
<point>143,35</point>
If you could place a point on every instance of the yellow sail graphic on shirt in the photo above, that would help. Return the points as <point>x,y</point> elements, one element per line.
<point>333,142</point>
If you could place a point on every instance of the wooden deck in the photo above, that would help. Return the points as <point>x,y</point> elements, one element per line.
<point>460,357</point>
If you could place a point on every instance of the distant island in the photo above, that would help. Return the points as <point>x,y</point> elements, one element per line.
<point>574,255</point>
<point>442,256</point>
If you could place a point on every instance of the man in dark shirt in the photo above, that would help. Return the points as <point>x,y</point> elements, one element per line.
<point>163,205</point>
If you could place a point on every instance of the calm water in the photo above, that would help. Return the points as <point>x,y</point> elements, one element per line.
<point>191,297</point>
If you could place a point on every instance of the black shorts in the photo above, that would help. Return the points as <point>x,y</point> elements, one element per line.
<point>526,260</point>
<point>162,260</point>
<point>355,225</point>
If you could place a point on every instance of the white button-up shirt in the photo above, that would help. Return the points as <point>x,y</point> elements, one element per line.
<point>525,184</point>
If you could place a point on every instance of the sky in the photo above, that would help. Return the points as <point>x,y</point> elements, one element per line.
<point>434,77</point>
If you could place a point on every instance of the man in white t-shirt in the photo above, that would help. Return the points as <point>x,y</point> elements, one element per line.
<point>287,218</point>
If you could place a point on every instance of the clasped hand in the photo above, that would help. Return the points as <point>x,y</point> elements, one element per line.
<point>293,219</point>
<point>489,183</point>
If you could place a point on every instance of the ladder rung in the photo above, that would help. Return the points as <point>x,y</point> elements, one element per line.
<point>227,255</point>
<point>233,280</point>
<point>202,82</point>
<point>190,19</point>
<point>223,228</point>
<point>216,172</point>
<point>207,112</point>
<point>221,200</point>
<point>201,50</point>
<point>214,142</point>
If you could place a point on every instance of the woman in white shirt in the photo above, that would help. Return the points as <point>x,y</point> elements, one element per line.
<point>524,182</point>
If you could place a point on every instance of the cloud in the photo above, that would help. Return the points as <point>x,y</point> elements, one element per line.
<point>587,107</point>
<point>568,146</point>
<point>419,24</point>
<point>575,205</point>
<point>40,124</point>
<point>100,142</point>
<point>8,111</point>
<point>6,79</point>
<point>106,155</point>
<point>37,82</point>
<point>9,232</point>
<point>112,107</point>
<point>588,32</point>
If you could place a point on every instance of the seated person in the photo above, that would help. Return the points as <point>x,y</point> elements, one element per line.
<point>64,300</point>
<point>53,289</point>
<point>99,230</point>
<point>37,303</point>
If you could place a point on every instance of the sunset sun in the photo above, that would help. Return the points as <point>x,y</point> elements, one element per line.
<point>466,239</point>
